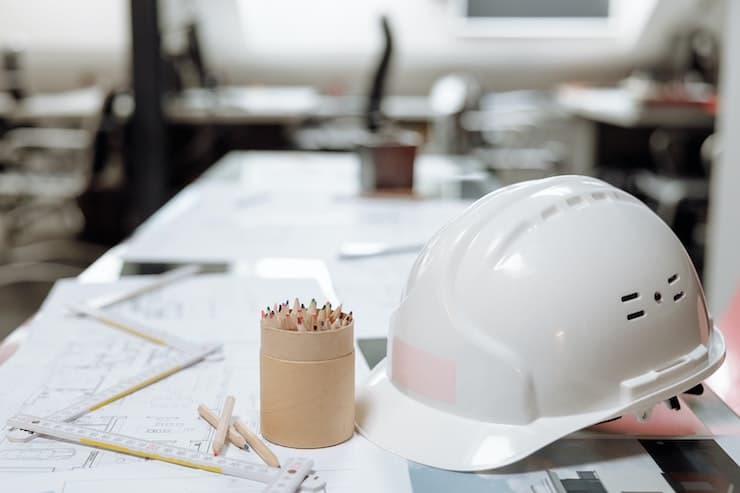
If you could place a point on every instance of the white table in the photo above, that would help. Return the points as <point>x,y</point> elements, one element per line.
<point>577,462</point>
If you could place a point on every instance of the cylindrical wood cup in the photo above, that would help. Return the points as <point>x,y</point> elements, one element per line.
<point>307,387</point>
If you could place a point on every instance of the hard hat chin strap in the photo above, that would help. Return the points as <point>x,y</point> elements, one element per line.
<point>697,389</point>
<point>673,403</point>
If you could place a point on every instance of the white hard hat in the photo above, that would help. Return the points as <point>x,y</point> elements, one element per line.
<point>545,307</point>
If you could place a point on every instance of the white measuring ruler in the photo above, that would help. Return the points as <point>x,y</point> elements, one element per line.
<point>294,475</point>
<point>138,329</point>
<point>190,354</point>
<point>159,281</point>
<point>121,389</point>
<point>94,309</point>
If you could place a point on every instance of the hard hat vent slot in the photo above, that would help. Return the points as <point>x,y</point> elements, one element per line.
<point>630,297</point>
<point>549,212</point>
<point>579,201</point>
<point>574,201</point>
<point>678,296</point>
<point>634,315</point>
<point>673,279</point>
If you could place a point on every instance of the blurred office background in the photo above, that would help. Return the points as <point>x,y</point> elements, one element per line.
<point>108,108</point>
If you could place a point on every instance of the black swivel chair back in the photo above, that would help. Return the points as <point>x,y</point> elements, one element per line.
<point>373,113</point>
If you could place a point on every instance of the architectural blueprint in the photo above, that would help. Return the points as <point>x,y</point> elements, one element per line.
<point>67,357</point>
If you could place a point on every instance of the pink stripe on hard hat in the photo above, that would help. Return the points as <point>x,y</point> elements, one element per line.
<point>422,372</point>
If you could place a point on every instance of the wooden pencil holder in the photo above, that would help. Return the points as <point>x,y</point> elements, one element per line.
<point>307,386</point>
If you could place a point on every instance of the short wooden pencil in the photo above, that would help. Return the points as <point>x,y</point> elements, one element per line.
<point>223,425</point>
<point>257,445</point>
<point>212,419</point>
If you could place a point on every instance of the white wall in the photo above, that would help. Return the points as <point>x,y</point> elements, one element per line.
<point>68,42</point>
<point>336,43</point>
<point>333,44</point>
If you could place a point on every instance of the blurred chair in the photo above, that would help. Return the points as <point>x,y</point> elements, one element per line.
<point>346,132</point>
<point>678,190</point>
<point>43,172</point>
<point>184,64</point>
<point>669,192</point>
<point>680,175</point>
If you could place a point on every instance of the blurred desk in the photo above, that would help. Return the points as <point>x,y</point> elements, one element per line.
<point>435,175</point>
<point>229,105</point>
<point>69,107</point>
<point>405,109</point>
<point>617,106</point>
<point>616,128</point>
<point>243,105</point>
<point>282,105</point>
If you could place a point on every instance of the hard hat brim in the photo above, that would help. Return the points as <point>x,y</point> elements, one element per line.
<point>418,432</point>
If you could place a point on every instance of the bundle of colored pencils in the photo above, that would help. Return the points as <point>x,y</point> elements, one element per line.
<point>303,318</point>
